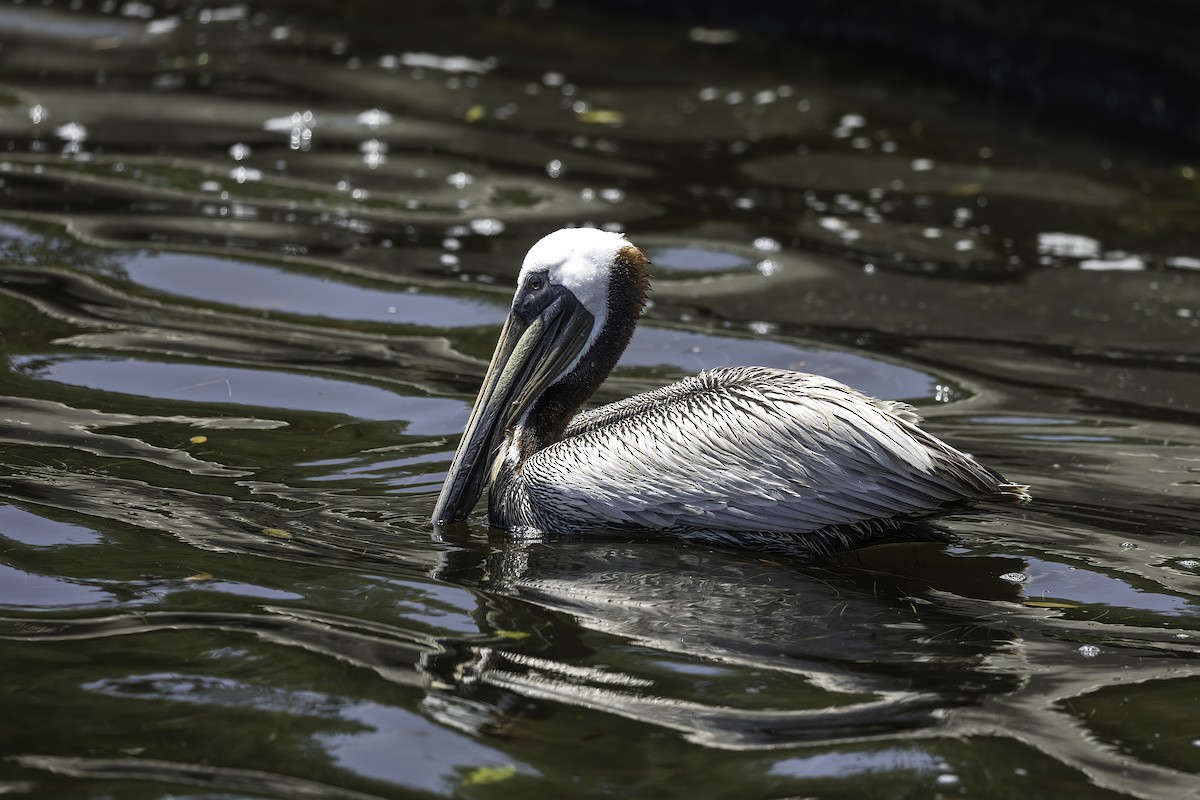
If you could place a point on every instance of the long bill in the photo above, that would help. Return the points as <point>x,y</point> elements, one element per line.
<point>529,357</point>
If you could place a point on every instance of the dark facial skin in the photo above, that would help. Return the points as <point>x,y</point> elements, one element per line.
<point>534,296</point>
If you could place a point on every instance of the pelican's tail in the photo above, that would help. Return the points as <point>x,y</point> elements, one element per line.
<point>1013,493</point>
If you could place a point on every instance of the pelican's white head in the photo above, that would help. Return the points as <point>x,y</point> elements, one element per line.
<point>580,260</point>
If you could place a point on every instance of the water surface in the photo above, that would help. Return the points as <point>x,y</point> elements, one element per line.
<point>253,259</point>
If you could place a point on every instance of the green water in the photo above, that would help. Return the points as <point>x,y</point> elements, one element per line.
<point>253,259</point>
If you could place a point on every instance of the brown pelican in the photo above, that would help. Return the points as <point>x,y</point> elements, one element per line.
<point>746,455</point>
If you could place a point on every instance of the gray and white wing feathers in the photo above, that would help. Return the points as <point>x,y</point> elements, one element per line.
<point>749,449</point>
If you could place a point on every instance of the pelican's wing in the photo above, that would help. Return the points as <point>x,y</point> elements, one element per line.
<point>750,449</point>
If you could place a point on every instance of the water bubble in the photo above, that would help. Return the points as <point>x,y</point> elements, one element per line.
<point>1114,262</point>
<point>763,328</point>
<point>947,779</point>
<point>447,63</point>
<point>554,79</point>
<point>1127,545</point>
<point>554,168</point>
<point>239,152</point>
<point>460,180</point>
<point>1088,650</point>
<point>225,14</point>
<point>373,118</point>
<point>487,227</point>
<point>450,243</point>
<point>767,267</point>
<point>159,27</point>
<point>1190,563</point>
<point>1014,577</point>
<point>1068,245</point>
<point>922,164</point>
<point>246,174</point>
<point>448,260</point>
<point>709,93</point>
<point>71,132</point>
<point>869,268</point>
<point>612,195</point>
<point>767,245</point>
<point>848,202</point>
<point>374,152</point>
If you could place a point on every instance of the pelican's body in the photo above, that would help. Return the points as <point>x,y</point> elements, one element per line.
<point>744,455</point>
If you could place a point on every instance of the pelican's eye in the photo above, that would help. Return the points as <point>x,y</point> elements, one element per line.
<point>536,282</point>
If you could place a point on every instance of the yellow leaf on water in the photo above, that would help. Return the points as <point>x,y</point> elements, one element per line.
<point>512,634</point>
<point>199,576</point>
<point>278,533</point>
<point>475,113</point>
<point>198,439</point>
<point>600,116</point>
<point>482,775</point>
<point>1047,604</point>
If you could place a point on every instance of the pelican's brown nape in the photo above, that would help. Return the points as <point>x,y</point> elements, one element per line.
<point>742,455</point>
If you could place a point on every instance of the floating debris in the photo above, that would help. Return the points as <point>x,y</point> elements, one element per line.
<point>601,116</point>
<point>483,775</point>
<point>514,635</point>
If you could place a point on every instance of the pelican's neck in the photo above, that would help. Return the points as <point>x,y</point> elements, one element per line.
<point>553,409</point>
